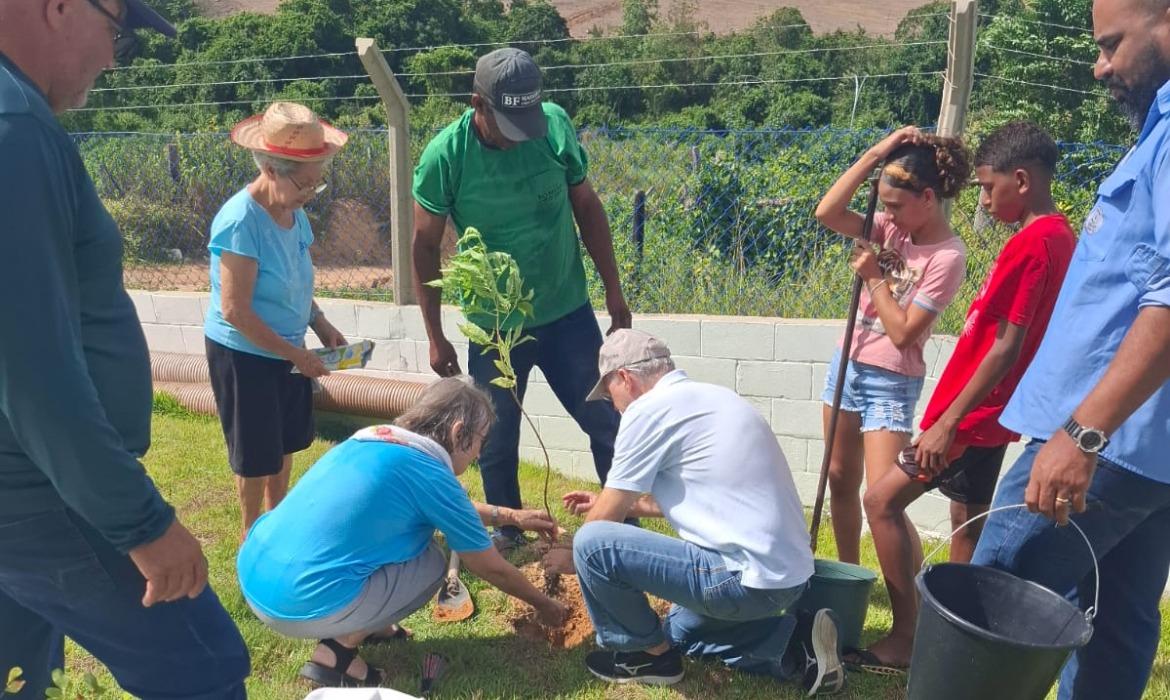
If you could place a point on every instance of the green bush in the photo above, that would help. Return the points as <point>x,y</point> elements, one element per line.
<point>150,230</point>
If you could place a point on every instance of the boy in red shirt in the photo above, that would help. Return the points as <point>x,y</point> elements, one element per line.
<point>963,445</point>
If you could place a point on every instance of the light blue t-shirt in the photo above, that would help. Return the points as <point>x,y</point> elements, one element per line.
<point>360,507</point>
<point>1121,265</point>
<point>283,296</point>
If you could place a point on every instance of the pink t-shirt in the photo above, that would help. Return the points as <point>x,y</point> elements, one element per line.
<point>926,275</point>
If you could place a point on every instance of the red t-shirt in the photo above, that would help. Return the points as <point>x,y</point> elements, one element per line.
<point>1021,288</point>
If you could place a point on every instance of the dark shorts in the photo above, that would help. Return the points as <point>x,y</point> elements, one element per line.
<point>266,410</point>
<point>972,477</point>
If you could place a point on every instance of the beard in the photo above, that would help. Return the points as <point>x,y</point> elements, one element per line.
<point>1136,95</point>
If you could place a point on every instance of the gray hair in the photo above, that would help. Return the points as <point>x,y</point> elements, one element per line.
<point>651,370</point>
<point>443,404</point>
<point>281,166</point>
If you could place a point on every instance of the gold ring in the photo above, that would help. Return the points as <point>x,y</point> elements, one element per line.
<point>1063,501</point>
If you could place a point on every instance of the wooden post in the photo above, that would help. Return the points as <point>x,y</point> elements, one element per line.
<point>960,72</point>
<point>401,202</point>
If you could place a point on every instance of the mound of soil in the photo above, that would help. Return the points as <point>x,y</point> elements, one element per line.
<point>577,628</point>
<point>565,588</point>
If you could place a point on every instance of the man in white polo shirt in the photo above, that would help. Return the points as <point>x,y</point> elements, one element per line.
<point>703,458</point>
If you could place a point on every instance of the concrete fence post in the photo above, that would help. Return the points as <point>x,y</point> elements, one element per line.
<point>401,172</point>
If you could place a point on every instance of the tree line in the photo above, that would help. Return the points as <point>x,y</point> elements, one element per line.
<point>669,72</point>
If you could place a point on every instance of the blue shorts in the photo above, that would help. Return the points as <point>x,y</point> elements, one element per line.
<point>885,399</point>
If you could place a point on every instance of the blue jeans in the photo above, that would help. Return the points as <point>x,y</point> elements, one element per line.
<point>58,577</point>
<point>884,399</point>
<point>713,616</point>
<point>566,353</point>
<point>1129,534</point>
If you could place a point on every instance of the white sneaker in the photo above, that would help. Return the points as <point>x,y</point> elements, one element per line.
<point>823,670</point>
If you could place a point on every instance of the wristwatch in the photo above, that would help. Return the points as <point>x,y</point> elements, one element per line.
<point>1089,440</point>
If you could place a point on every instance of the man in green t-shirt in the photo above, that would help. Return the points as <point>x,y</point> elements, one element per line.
<point>512,167</point>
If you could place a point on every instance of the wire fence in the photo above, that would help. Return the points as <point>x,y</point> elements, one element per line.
<point>711,222</point>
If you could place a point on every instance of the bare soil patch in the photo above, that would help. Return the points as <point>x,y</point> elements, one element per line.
<point>721,16</point>
<point>577,629</point>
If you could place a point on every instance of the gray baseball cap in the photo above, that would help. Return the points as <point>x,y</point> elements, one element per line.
<point>139,15</point>
<point>511,83</point>
<point>625,347</point>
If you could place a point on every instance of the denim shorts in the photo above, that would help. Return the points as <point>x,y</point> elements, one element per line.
<point>885,399</point>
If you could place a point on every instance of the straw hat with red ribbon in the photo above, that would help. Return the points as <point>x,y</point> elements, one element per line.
<point>291,131</point>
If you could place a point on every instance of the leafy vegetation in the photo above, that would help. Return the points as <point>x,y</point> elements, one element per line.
<point>489,285</point>
<point>776,73</point>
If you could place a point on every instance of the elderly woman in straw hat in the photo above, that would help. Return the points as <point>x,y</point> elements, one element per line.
<point>262,302</point>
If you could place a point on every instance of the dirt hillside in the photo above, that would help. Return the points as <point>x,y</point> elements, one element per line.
<point>719,15</point>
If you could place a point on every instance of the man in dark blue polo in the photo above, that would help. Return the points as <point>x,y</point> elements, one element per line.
<point>88,547</point>
<point>1095,397</point>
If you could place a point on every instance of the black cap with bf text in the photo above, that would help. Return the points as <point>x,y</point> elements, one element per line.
<point>511,83</point>
<point>139,15</point>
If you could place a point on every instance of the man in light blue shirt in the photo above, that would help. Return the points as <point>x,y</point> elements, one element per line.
<point>1095,397</point>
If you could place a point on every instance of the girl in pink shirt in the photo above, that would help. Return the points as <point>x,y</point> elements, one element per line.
<point>910,278</point>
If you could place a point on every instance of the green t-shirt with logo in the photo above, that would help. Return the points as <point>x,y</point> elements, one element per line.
<point>518,199</point>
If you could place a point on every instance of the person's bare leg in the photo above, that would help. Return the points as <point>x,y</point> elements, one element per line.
<point>276,486</point>
<point>963,542</point>
<point>845,474</point>
<point>394,629</point>
<point>900,554</point>
<point>357,668</point>
<point>251,494</point>
<point>881,449</point>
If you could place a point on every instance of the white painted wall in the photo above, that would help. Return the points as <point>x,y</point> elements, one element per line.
<point>779,365</point>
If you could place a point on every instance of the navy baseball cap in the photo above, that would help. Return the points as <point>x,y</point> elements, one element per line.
<point>510,81</point>
<point>139,15</point>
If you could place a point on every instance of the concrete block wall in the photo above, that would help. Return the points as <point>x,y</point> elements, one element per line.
<point>778,365</point>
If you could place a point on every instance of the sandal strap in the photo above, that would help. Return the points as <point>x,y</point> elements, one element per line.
<point>343,656</point>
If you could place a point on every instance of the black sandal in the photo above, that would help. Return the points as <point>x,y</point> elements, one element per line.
<point>336,676</point>
<point>867,661</point>
<point>400,635</point>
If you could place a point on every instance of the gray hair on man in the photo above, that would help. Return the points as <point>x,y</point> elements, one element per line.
<point>652,370</point>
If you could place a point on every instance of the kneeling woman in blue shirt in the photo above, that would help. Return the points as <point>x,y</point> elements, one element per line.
<point>350,551</point>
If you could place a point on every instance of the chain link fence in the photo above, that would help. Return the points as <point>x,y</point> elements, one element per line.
<point>703,221</point>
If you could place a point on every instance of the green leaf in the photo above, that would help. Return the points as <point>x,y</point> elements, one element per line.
<point>503,382</point>
<point>14,674</point>
<point>53,693</point>
<point>14,687</point>
<point>475,334</point>
<point>505,370</point>
<point>58,677</point>
<point>91,682</point>
<point>523,340</point>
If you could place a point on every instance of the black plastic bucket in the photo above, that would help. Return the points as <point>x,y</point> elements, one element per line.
<point>984,634</point>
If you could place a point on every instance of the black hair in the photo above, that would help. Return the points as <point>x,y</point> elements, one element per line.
<point>940,163</point>
<point>1018,144</point>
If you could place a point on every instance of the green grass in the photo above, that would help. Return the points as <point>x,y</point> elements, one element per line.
<point>189,464</point>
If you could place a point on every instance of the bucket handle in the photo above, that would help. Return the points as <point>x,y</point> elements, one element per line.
<point>1092,611</point>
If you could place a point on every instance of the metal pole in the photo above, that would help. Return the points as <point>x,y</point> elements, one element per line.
<point>846,347</point>
<point>639,222</point>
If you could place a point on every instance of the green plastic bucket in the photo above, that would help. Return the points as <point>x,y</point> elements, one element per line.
<point>844,589</point>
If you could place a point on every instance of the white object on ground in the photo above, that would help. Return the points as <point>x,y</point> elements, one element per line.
<point>358,694</point>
